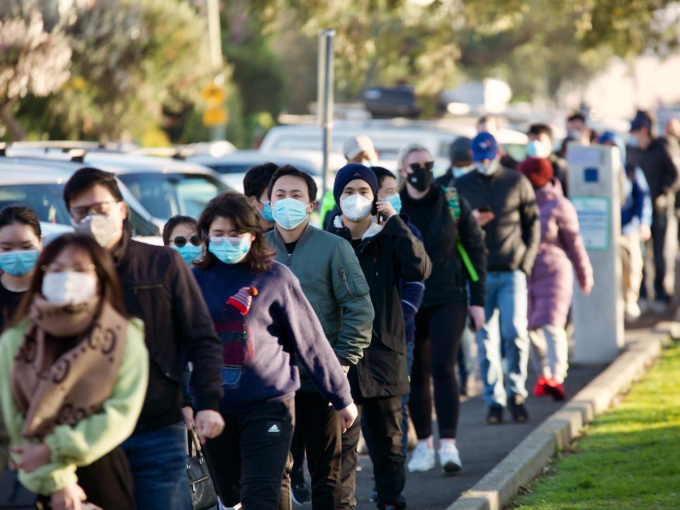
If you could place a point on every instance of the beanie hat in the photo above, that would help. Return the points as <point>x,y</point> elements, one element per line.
<point>642,119</point>
<point>350,172</point>
<point>484,146</point>
<point>459,150</point>
<point>243,299</point>
<point>539,171</point>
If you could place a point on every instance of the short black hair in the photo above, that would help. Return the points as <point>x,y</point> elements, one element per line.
<point>382,173</point>
<point>256,180</point>
<point>87,178</point>
<point>22,214</point>
<point>577,116</point>
<point>291,170</point>
<point>540,129</point>
<point>170,225</point>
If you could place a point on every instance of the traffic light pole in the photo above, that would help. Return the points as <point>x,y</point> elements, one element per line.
<point>324,104</point>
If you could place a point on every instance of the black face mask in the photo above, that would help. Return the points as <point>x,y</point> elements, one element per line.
<point>422,176</point>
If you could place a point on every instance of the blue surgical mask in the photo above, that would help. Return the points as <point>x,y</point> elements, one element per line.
<point>395,200</point>
<point>289,213</point>
<point>633,142</point>
<point>229,250</point>
<point>19,262</point>
<point>459,171</point>
<point>536,149</point>
<point>267,212</point>
<point>189,252</point>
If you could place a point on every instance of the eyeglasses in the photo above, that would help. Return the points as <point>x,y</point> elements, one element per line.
<point>88,268</point>
<point>427,166</point>
<point>80,212</point>
<point>181,241</point>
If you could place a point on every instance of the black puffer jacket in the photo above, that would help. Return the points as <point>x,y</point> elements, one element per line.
<point>158,287</point>
<point>432,216</point>
<point>385,256</point>
<point>512,237</point>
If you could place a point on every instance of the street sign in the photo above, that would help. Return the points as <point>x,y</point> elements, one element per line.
<point>214,116</point>
<point>213,95</point>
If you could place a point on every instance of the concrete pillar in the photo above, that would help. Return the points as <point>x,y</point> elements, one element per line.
<point>594,189</point>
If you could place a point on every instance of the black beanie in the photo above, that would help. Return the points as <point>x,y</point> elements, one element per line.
<point>350,172</point>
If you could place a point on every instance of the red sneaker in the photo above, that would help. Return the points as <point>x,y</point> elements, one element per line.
<point>555,389</point>
<point>539,389</point>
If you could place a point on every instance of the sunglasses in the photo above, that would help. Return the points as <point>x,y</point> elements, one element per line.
<point>427,166</point>
<point>182,241</point>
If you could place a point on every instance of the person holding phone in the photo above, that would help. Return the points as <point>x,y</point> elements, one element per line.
<point>387,252</point>
<point>447,224</point>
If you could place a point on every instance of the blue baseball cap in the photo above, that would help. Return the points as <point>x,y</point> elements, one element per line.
<point>484,146</point>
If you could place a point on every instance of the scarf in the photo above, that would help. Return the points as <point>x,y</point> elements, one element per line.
<point>67,363</point>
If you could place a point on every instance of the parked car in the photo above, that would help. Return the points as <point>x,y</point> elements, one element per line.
<point>233,166</point>
<point>39,184</point>
<point>164,186</point>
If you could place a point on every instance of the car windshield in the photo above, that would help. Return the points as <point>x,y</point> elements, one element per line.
<point>165,195</point>
<point>45,199</point>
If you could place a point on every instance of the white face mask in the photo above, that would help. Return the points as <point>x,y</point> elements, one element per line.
<point>356,207</point>
<point>69,287</point>
<point>104,229</point>
<point>487,169</point>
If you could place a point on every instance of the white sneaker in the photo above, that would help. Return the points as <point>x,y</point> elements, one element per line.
<point>449,458</point>
<point>422,459</point>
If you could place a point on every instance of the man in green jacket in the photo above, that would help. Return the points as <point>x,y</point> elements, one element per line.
<point>334,284</point>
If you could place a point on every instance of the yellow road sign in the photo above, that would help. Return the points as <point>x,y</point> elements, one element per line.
<point>214,116</point>
<point>212,94</point>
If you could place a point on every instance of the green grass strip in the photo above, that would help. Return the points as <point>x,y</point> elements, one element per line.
<point>628,458</point>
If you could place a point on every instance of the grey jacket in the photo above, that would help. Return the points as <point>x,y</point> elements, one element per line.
<point>332,281</point>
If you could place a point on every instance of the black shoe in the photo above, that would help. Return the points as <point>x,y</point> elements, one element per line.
<point>517,409</point>
<point>495,415</point>
<point>300,491</point>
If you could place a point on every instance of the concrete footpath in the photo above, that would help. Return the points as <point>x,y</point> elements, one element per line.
<point>498,459</point>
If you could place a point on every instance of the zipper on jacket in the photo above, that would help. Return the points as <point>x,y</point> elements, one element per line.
<point>147,287</point>
<point>344,279</point>
<point>290,255</point>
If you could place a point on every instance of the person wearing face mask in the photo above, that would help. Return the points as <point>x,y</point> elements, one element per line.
<point>356,149</point>
<point>451,237</point>
<point>459,155</point>
<point>653,156</point>
<point>20,245</point>
<point>332,281</point>
<point>256,188</point>
<point>158,288</point>
<point>264,322</point>
<point>66,426</point>
<point>387,252</point>
<point>179,233</point>
<point>504,204</point>
<point>561,252</point>
<point>541,146</point>
<point>577,128</point>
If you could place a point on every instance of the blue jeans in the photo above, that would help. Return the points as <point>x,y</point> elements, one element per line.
<point>158,462</point>
<point>506,321</point>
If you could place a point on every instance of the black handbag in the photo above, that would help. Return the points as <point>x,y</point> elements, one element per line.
<point>203,495</point>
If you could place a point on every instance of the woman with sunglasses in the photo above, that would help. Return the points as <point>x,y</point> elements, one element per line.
<point>180,234</point>
<point>265,324</point>
<point>454,242</point>
<point>73,375</point>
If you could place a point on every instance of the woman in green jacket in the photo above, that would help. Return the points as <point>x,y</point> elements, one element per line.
<point>73,375</point>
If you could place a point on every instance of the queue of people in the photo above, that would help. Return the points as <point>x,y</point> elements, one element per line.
<point>277,340</point>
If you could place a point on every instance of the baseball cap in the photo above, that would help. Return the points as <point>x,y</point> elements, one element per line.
<point>642,119</point>
<point>356,145</point>
<point>483,147</point>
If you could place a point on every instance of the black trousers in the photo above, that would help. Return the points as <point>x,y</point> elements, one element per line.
<point>658,228</point>
<point>107,482</point>
<point>318,425</point>
<point>438,333</point>
<point>383,419</point>
<point>247,461</point>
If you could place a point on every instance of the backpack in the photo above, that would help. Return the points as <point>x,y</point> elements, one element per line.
<point>453,202</point>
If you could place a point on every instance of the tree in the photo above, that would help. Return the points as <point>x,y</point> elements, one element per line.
<point>32,61</point>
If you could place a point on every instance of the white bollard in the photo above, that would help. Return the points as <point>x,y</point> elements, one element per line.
<point>594,189</point>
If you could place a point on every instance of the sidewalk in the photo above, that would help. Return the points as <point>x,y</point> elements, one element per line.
<point>483,447</point>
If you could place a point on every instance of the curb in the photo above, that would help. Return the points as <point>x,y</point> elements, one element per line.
<point>527,460</point>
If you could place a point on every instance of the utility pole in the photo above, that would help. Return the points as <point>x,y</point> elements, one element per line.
<point>324,103</point>
<point>219,131</point>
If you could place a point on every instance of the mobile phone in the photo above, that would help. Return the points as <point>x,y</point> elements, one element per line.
<point>470,324</point>
<point>484,208</point>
